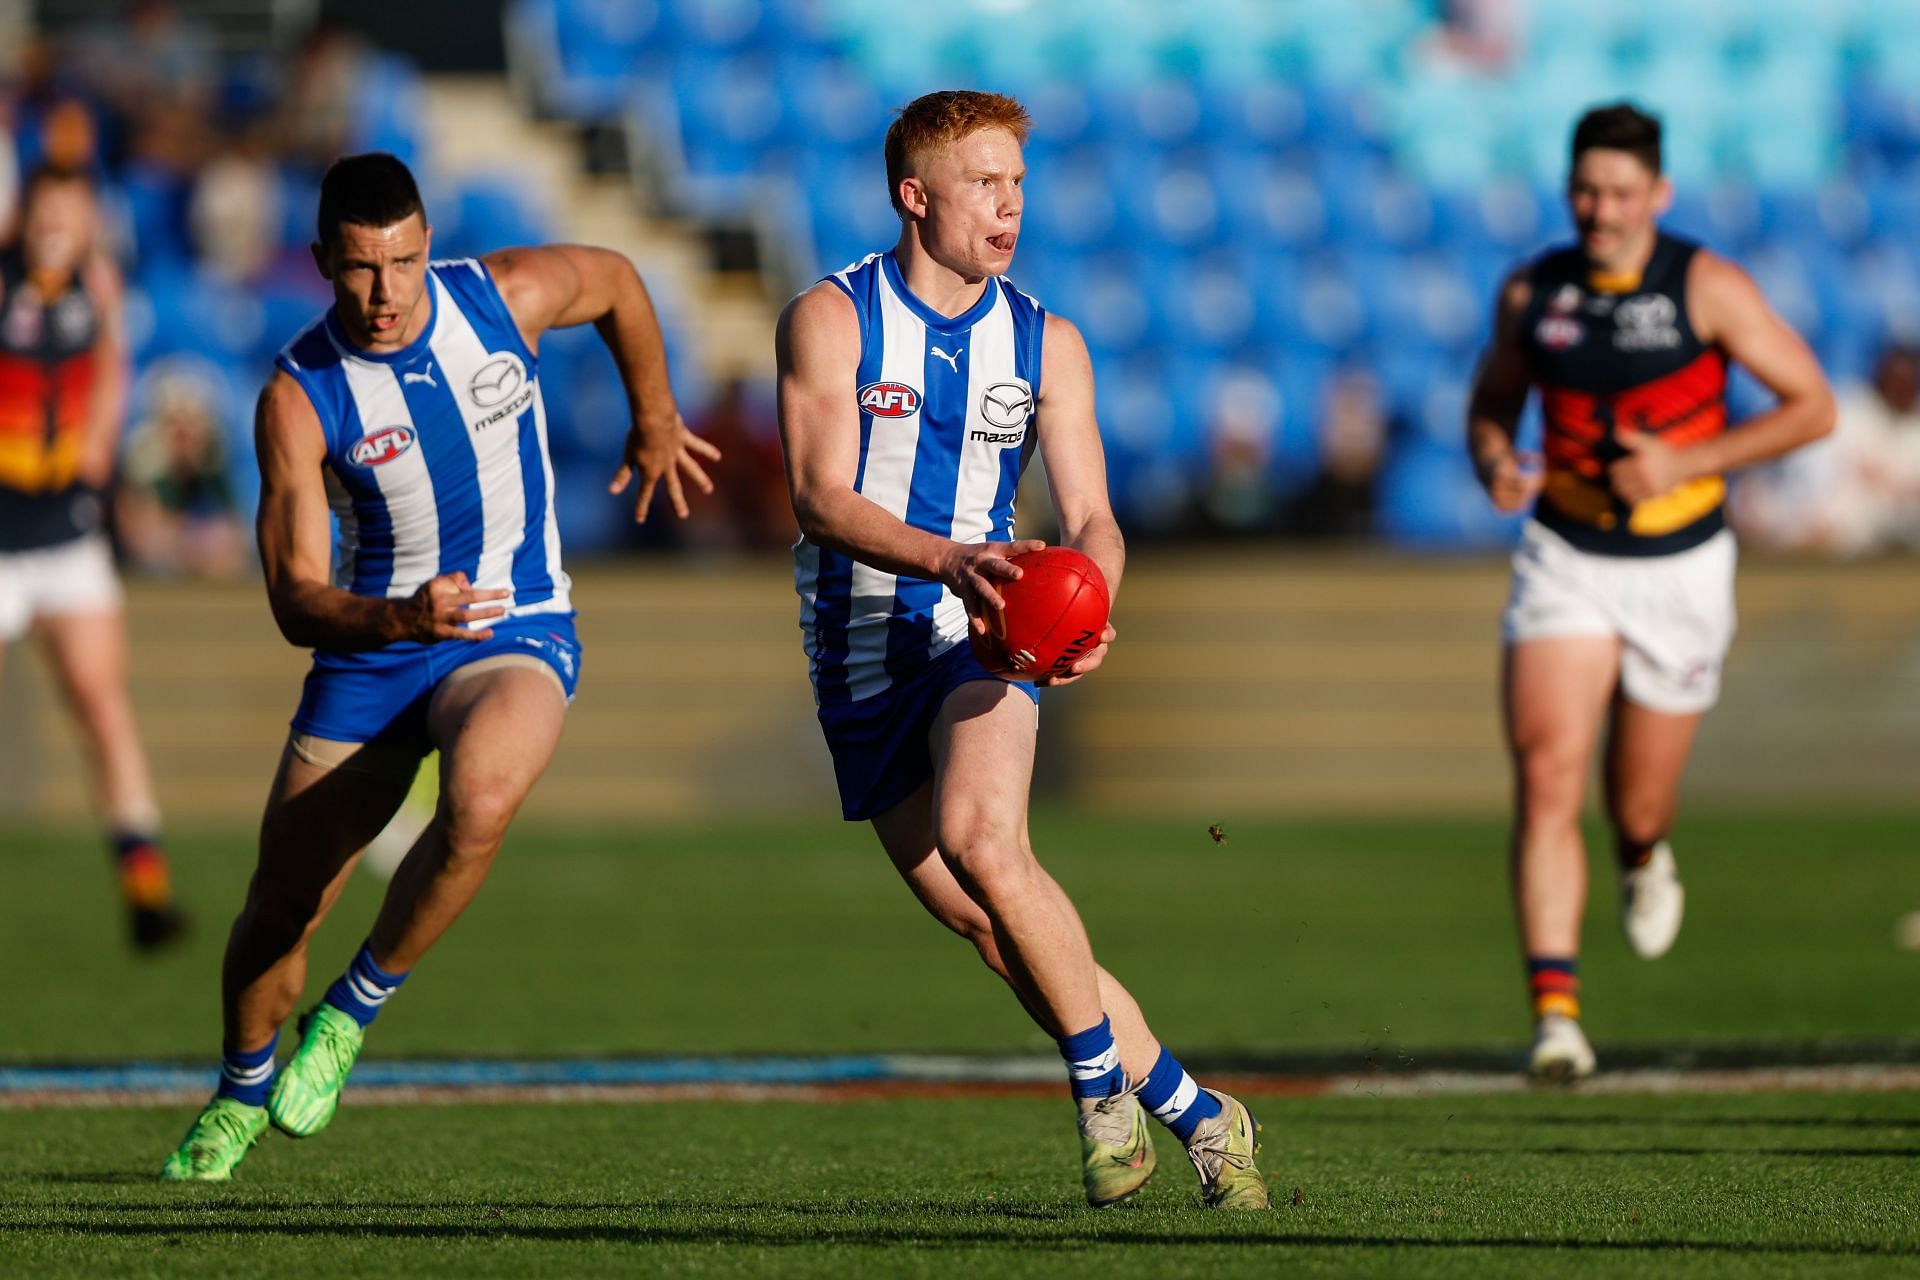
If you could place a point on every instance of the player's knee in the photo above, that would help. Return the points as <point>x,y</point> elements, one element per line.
<point>1640,819</point>
<point>477,818</point>
<point>995,868</point>
<point>1551,779</point>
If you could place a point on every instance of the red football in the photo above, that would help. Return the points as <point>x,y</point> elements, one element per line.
<point>1055,613</point>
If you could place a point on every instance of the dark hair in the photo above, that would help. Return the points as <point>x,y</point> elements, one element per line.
<point>369,190</point>
<point>1619,127</point>
<point>43,174</point>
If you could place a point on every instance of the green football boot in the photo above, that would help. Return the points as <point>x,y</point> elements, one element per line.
<point>1116,1153</point>
<point>219,1140</point>
<point>308,1091</point>
<point>1222,1150</point>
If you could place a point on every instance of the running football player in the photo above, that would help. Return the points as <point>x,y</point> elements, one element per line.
<point>413,407</point>
<point>1622,603</point>
<point>63,392</point>
<point>914,386</point>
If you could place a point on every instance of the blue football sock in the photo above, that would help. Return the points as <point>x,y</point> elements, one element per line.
<point>363,988</point>
<point>1174,1099</point>
<point>246,1075</point>
<point>1093,1062</point>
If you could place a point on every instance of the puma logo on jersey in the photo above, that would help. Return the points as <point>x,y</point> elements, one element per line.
<point>408,379</point>
<point>953,361</point>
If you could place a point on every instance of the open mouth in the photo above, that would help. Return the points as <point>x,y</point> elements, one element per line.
<point>380,324</point>
<point>1004,242</point>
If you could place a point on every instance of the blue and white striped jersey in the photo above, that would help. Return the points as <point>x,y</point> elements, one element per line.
<point>946,413</point>
<point>437,453</point>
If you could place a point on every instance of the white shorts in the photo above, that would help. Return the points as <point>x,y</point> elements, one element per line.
<point>1673,614</point>
<point>74,577</point>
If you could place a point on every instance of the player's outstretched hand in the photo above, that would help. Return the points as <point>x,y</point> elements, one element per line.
<point>1089,661</point>
<point>444,607</point>
<point>1513,481</point>
<point>1650,468</point>
<point>971,569</point>
<point>663,450</point>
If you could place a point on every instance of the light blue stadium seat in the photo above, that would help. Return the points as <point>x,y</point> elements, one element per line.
<point>731,112</point>
<point>718,26</point>
<point>389,108</point>
<point>586,49</point>
<point>1073,202</point>
<point>826,103</point>
<point>1209,305</point>
<point>1114,307</point>
<point>1267,200</point>
<point>484,215</point>
<point>1329,312</point>
<point>1267,115</point>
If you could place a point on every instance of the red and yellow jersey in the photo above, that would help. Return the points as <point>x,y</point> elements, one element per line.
<point>1612,354</point>
<point>49,368</point>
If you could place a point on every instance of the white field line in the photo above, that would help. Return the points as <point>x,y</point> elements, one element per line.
<point>1018,1080</point>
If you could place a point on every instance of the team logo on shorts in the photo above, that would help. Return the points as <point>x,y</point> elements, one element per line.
<point>1008,407</point>
<point>889,399</point>
<point>381,447</point>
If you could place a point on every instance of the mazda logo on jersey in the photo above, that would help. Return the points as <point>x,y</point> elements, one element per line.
<point>889,399</point>
<point>382,446</point>
<point>1007,404</point>
<point>497,381</point>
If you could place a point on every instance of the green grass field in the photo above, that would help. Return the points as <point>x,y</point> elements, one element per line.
<point>1360,936</point>
<point>799,938</point>
<point>1756,1186</point>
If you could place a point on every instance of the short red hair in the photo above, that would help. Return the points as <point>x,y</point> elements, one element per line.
<point>935,121</point>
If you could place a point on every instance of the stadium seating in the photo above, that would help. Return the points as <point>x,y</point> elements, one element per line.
<point>1230,181</point>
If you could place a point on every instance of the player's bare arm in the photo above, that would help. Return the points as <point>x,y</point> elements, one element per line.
<point>1500,386</point>
<point>107,413</point>
<point>562,285</point>
<point>817,354</point>
<point>294,532</point>
<point>1076,465</point>
<point>1729,309</point>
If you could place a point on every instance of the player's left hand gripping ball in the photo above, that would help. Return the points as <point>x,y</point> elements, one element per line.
<point>1054,626</point>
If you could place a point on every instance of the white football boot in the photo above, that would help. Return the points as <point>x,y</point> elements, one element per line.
<point>1652,901</point>
<point>1560,1050</point>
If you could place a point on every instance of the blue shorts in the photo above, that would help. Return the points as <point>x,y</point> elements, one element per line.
<point>382,694</point>
<point>880,750</point>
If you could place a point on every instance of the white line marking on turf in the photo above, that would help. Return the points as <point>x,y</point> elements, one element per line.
<point>960,1077</point>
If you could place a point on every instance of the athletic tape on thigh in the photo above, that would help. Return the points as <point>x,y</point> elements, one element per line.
<point>500,662</point>
<point>391,761</point>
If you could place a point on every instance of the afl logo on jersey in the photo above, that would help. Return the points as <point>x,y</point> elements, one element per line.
<point>382,446</point>
<point>889,399</point>
<point>1558,333</point>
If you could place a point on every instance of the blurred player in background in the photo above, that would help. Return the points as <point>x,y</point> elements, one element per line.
<point>1622,603</point>
<point>914,386</point>
<point>63,393</point>
<point>413,407</point>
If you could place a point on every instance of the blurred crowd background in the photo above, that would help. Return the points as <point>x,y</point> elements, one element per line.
<point>1279,222</point>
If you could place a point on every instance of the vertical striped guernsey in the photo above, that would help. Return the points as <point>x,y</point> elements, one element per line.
<point>437,453</point>
<point>945,418</point>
